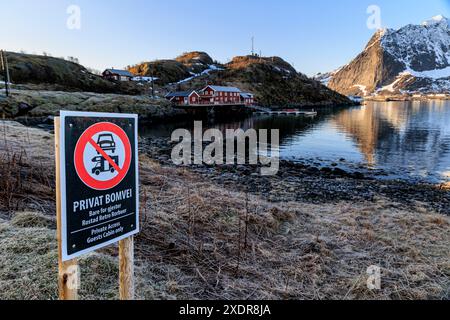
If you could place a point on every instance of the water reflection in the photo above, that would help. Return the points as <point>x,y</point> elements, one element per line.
<point>411,137</point>
<point>408,139</point>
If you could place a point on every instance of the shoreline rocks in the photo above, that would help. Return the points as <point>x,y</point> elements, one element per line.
<point>311,183</point>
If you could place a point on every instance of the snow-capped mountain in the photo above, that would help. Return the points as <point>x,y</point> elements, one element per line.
<point>415,58</point>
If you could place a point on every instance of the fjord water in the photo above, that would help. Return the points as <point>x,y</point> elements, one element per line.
<point>399,140</point>
<point>407,140</point>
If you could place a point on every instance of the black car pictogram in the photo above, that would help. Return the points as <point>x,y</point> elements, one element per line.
<point>106,142</point>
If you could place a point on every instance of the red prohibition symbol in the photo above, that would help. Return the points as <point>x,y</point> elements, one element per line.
<point>106,162</point>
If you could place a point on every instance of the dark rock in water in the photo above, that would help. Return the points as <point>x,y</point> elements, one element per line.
<point>358,175</point>
<point>334,164</point>
<point>339,172</point>
<point>326,170</point>
<point>312,170</point>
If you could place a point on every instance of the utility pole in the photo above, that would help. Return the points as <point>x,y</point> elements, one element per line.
<point>153,82</point>
<point>6,71</point>
<point>2,64</point>
<point>3,70</point>
<point>7,74</point>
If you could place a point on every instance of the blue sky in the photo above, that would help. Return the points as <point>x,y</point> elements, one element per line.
<point>315,36</point>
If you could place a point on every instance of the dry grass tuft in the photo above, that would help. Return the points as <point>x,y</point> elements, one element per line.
<point>28,267</point>
<point>26,169</point>
<point>32,220</point>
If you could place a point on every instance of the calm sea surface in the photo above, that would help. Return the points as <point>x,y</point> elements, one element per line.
<point>407,140</point>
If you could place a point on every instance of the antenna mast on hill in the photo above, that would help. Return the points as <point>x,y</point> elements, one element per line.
<point>253,46</point>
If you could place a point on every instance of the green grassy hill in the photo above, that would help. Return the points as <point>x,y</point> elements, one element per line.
<point>59,74</point>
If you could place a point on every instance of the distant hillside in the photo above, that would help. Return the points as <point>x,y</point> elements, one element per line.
<point>59,74</point>
<point>196,61</point>
<point>173,71</point>
<point>274,82</point>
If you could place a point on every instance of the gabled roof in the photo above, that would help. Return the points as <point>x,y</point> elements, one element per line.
<point>223,89</point>
<point>181,94</point>
<point>123,73</point>
<point>246,95</point>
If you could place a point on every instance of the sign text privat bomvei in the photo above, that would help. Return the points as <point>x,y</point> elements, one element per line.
<point>99,181</point>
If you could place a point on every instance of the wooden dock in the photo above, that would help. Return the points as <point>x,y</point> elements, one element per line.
<point>287,113</point>
<point>265,111</point>
<point>246,108</point>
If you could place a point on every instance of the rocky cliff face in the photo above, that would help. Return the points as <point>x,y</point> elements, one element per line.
<point>415,58</point>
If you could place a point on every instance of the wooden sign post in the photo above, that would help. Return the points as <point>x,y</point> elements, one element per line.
<point>126,269</point>
<point>97,193</point>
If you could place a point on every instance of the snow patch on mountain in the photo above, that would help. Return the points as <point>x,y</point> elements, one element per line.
<point>435,20</point>
<point>361,88</point>
<point>211,68</point>
<point>420,47</point>
<point>432,74</point>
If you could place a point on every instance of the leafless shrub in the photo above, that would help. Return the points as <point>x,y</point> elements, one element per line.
<point>24,185</point>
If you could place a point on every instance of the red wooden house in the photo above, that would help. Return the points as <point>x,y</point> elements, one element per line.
<point>220,95</point>
<point>184,97</point>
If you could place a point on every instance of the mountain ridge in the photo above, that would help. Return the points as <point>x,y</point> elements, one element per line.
<point>412,59</point>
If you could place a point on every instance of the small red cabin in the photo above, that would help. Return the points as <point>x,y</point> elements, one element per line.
<point>117,75</point>
<point>184,98</point>
<point>247,98</point>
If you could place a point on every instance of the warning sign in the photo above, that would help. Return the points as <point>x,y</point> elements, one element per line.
<point>103,156</point>
<point>99,181</point>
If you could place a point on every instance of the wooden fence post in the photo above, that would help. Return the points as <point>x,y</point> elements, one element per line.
<point>68,272</point>
<point>126,269</point>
